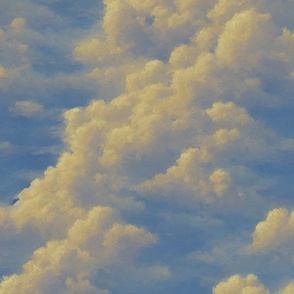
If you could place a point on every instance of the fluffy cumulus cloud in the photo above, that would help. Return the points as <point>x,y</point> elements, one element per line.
<point>276,230</point>
<point>246,285</point>
<point>237,284</point>
<point>96,241</point>
<point>169,148</point>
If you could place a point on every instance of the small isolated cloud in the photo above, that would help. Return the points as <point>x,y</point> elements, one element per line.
<point>5,146</point>
<point>27,108</point>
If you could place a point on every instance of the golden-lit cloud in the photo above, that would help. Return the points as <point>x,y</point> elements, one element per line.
<point>237,284</point>
<point>64,266</point>
<point>171,122</point>
<point>276,230</point>
<point>288,289</point>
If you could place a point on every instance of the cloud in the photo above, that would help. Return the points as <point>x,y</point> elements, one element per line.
<point>93,242</point>
<point>288,289</point>
<point>188,178</point>
<point>247,284</point>
<point>275,231</point>
<point>18,24</point>
<point>8,76</point>
<point>6,146</point>
<point>27,108</point>
<point>237,284</point>
<point>228,113</point>
<point>166,108</point>
<point>244,35</point>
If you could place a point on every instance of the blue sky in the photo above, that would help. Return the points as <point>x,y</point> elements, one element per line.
<point>149,144</point>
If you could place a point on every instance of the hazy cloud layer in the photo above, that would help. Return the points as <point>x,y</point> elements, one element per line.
<point>174,162</point>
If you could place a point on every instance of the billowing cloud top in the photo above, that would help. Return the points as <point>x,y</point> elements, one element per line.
<point>174,156</point>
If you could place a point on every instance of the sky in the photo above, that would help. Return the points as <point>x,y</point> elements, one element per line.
<point>146,146</point>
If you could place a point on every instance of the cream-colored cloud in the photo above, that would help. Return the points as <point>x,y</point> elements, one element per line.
<point>288,289</point>
<point>222,37</point>
<point>15,51</point>
<point>128,126</point>
<point>18,24</point>
<point>93,50</point>
<point>8,75</point>
<point>119,238</point>
<point>225,9</point>
<point>176,130</point>
<point>185,177</point>
<point>27,108</point>
<point>64,266</point>
<point>122,23</point>
<point>14,54</point>
<point>241,285</point>
<point>237,133</point>
<point>137,125</point>
<point>161,114</point>
<point>133,28</point>
<point>221,181</point>
<point>189,81</point>
<point>277,229</point>
<point>190,179</point>
<point>182,56</point>
<point>154,73</point>
<point>228,113</point>
<point>249,284</point>
<point>223,136</point>
<point>244,39</point>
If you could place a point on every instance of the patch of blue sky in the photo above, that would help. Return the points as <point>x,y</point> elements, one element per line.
<point>50,59</point>
<point>77,14</point>
<point>28,137</point>
<point>277,118</point>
